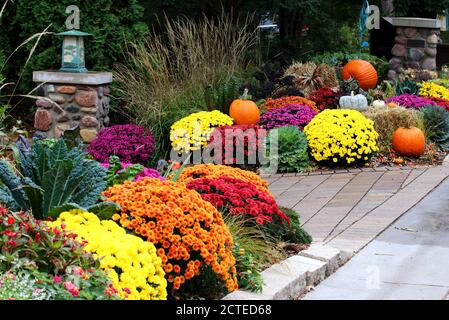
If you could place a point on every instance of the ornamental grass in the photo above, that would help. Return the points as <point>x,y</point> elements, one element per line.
<point>189,233</point>
<point>131,263</point>
<point>213,171</point>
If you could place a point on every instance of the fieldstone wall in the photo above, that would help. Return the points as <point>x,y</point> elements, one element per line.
<point>82,106</point>
<point>407,56</point>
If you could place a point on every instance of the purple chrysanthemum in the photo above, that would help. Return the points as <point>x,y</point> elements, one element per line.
<point>290,115</point>
<point>411,101</point>
<point>131,143</point>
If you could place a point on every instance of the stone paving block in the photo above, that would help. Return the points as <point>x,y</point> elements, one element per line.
<point>321,195</point>
<point>332,256</point>
<point>240,295</point>
<point>288,279</point>
<point>380,218</point>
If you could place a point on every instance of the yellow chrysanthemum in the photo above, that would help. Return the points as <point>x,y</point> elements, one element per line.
<point>193,132</point>
<point>341,135</point>
<point>132,264</point>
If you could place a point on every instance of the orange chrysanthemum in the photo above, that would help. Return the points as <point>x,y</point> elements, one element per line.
<point>187,231</point>
<point>212,171</point>
<point>271,104</point>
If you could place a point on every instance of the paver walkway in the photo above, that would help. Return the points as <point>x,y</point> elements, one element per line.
<point>407,261</point>
<point>348,210</point>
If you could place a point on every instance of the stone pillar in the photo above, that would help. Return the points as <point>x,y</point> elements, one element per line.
<point>415,45</point>
<point>72,100</point>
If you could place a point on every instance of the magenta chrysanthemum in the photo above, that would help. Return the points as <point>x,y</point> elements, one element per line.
<point>411,101</point>
<point>131,143</point>
<point>290,115</point>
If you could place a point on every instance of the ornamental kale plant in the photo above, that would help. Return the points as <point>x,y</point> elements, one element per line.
<point>290,115</point>
<point>292,155</point>
<point>436,122</point>
<point>49,176</point>
<point>411,101</point>
<point>131,143</point>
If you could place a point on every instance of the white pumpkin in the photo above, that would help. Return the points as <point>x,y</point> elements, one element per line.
<point>379,104</point>
<point>357,102</point>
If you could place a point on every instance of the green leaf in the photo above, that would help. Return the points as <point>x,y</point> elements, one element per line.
<point>13,183</point>
<point>56,211</point>
<point>34,194</point>
<point>104,210</point>
<point>54,182</point>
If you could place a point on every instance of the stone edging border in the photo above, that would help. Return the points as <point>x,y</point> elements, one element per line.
<point>352,170</point>
<point>289,279</point>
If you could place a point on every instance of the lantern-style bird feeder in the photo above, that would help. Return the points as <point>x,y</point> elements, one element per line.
<point>72,59</point>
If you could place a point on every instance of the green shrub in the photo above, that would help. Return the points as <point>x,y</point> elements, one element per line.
<point>111,24</point>
<point>50,178</point>
<point>436,124</point>
<point>294,233</point>
<point>292,153</point>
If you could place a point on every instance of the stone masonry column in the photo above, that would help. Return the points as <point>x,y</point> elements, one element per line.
<point>73,100</point>
<point>415,45</point>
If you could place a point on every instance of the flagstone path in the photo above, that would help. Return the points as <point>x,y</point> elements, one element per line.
<point>347,209</point>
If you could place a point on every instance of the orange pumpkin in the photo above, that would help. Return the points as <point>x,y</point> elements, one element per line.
<point>392,105</point>
<point>362,71</point>
<point>409,141</point>
<point>244,111</point>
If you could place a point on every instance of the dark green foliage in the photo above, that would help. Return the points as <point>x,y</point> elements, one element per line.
<point>116,174</point>
<point>339,59</point>
<point>268,81</point>
<point>248,270</point>
<point>50,176</point>
<point>293,232</point>
<point>111,24</point>
<point>349,86</point>
<point>436,124</point>
<point>419,8</point>
<point>221,96</point>
<point>406,86</point>
<point>292,150</point>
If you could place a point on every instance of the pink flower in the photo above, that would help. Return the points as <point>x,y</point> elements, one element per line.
<point>57,279</point>
<point>70,287</point>
<point>78,271</point>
